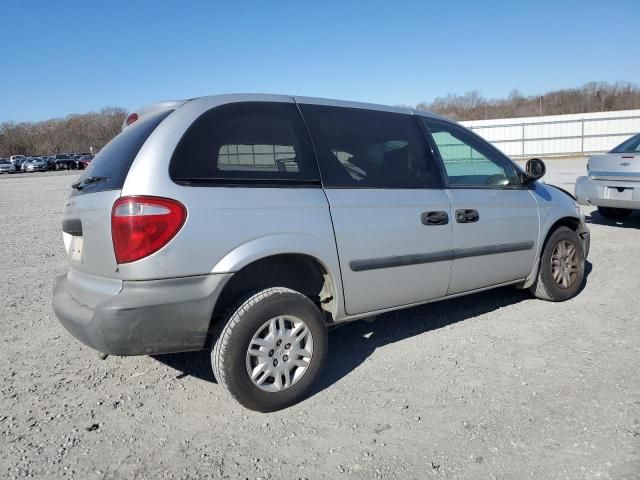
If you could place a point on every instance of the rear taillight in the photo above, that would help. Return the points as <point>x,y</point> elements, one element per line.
<point>131,118</point>
<point>141,226</point>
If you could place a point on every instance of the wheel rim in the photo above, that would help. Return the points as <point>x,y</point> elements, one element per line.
<point>565,264</point>
<point>280,353</point>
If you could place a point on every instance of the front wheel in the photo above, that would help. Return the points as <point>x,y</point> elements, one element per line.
<point>271,349</point>
<point>561,271</point>
<point>614,213</point>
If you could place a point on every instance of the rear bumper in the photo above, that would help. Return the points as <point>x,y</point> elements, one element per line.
<point>145,317</point>
<point>604,193</point>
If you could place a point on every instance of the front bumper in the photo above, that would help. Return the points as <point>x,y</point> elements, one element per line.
<point>585,237</point>
<point>145,317</point>
<point>608,193</point>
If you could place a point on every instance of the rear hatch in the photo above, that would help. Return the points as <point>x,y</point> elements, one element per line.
<point>87,213</point>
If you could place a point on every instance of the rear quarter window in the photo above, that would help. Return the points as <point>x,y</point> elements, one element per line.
<point>257,143</point>
<point>114,160</point>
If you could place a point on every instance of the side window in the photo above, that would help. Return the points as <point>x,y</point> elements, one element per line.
<point>469,160</point>
<point>246,143</point>
<point>370,149</point>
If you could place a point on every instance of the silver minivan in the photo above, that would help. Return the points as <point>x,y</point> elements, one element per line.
<point>249,224</point>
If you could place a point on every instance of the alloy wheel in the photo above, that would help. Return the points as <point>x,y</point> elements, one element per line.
<point>565,265</point>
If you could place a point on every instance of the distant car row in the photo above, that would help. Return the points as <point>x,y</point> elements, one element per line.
<point>63,161</point>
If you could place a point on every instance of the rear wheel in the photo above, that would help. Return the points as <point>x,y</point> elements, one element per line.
<point>561,271</point>
<point>270,349</point>
<point>614,213</point>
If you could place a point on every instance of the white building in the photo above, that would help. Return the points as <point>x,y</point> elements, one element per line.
<point>558,135</point>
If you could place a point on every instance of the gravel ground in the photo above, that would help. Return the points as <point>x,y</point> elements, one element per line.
<point>495,385</point>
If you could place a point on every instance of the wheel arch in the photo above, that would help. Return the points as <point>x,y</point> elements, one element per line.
<point>570,222</point>
<point>552,223</point>
<point>302,272</point>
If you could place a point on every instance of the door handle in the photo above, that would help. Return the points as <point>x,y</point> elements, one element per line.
<point>435,218</point>
<point>467,216</point>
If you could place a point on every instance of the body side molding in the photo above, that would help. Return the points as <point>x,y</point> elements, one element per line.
<point>443,256</point>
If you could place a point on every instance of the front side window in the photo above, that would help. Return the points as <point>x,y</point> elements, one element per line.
<point>469,160</point>
<point>360,148</point>
<point>252,142</point>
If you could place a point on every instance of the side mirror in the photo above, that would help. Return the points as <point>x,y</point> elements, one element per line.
<point>534,170</point>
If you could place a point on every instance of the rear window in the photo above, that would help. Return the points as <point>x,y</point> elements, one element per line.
<point>115,159</point>
<point>259,143</point>
<point>631,145</point>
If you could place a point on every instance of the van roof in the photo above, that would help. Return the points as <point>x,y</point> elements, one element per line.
<point>265,97</point>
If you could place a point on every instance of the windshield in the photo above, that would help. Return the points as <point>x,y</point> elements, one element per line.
<point>631,145</point>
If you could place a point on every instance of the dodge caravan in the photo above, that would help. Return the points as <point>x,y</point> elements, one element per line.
<point>249,224</point>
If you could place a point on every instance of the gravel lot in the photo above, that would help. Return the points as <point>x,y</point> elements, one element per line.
<point>496,385</point>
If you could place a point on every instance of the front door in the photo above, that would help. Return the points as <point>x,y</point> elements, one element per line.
<point>391,216</point>
<point>495,216</point>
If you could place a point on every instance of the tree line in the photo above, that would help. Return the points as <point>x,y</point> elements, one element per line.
<point>78,133</point>
<point>73,134</point>
<point>592,97</point>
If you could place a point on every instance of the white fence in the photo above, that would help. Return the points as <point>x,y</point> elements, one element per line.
<point>557,135</point>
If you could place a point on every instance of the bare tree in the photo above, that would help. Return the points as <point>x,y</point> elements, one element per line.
<point>592,97</point>
<point>75,133</point>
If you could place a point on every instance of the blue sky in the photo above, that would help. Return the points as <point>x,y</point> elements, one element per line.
<point>61,57</point>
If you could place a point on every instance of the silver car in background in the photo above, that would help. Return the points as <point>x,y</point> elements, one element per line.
<point>6,166</point>
<point>613,181</point>
<point>249,224</point>
<point>35,164</point>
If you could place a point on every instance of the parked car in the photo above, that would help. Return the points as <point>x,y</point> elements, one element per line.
<point>6,166</point>
<point>251,223</point>
<point>64,161</point>
<point>613,181</point>
<point>20,163</point>
<point>51,162</point>
<point>36,165</point>
<point>84,161</point>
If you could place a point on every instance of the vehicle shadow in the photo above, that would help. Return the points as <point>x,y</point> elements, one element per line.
<point>632,221</point>
<point>194,364</point>
<point>350,344</point>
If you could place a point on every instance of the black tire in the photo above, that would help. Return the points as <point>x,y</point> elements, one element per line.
<point>546,287</point>
<point>229,355</point>
<point>614,213</point>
